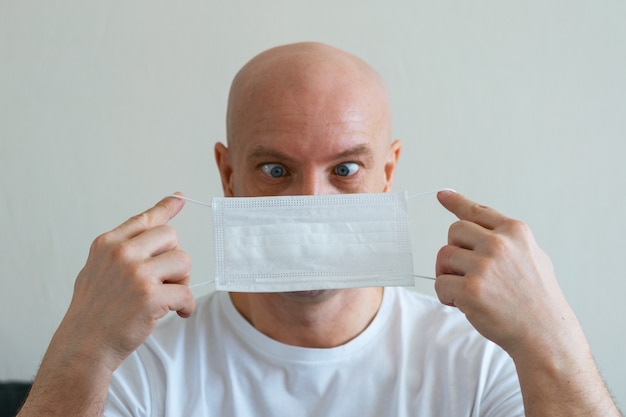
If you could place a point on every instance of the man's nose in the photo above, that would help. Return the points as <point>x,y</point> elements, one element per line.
<point>314,184</point>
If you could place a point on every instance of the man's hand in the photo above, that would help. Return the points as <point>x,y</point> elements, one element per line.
<point>134,275</point>
<point>494,272</point>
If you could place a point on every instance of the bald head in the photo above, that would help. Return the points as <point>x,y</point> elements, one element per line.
<point>307,118</point>
<point>297,78</point>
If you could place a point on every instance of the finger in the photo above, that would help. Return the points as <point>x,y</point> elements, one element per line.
<point>161,213</point>
<point>447,288</point>
<point>176,298</point>
<point>466,234</point>
<point>466,209</point>
<point>173,267</point>
<point>154,241</point>
<point>452,260</point>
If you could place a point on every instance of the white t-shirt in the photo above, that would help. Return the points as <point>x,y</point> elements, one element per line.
<point>416,358</point>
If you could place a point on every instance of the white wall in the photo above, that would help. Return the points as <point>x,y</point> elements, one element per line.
<point>107,106</point>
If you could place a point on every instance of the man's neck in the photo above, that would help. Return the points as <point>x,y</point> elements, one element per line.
<point>316,319</point>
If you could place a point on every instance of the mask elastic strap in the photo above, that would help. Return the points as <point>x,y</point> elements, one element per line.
<point>191,200</point>
<point>200,284</point>
<point>410,196</point>
<point>427,192</point>
<point>201,203</point>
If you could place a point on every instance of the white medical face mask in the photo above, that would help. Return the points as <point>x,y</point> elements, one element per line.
<point>294,243</point>
<point>297,243</point>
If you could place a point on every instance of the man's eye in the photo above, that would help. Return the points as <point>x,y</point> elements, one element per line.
<point>347,169</point>
<point>274,170</point>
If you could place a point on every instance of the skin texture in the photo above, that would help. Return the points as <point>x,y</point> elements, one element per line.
<point>311,119</point>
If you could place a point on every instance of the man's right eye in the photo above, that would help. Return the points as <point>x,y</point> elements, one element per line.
<point>274,170</point>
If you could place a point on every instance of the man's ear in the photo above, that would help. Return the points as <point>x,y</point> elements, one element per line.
<point>391,162</point>
<point>222,158</point>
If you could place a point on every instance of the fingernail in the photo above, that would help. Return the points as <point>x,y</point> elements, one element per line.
<point>447,191</point>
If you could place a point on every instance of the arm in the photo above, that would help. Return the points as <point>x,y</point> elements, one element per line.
<point>133,276</point>
<point>495,273</point>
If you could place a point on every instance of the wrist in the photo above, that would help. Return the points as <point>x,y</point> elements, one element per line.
<point>77,348</point>
<point>68,383</point>
<point>558,375</point>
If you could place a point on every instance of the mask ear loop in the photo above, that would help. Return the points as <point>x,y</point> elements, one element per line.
<point>421,195</point>
<point>201,203</point>
<point>200,284</point>
<point>419,276</point>
<point>414,195</point>
<point>191,200</point>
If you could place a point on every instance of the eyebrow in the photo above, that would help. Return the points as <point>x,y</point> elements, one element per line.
<point>267,152</point>
<point>358,150</point>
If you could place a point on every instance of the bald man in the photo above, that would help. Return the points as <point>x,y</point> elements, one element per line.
<point>310,119</point>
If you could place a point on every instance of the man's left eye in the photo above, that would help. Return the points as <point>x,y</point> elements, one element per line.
<point>347,169</point>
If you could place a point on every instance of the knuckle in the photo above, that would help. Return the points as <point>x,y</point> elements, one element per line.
<point>189,298</point>
<point>167,235</point>
<point>162,205</point>
<point>518,227</point>
<point>497,243</point>
<point>102,241</point>
<point>182,261</point>
<point>456,227</point>
<point>444,254</point>
<point>476,210</point>
<point>187,264</point>
<point>482,266</point>
<point>144,293</point>
<point>444,262</point>
<point>122,252</point>
<point>185,268</point>
<point>170,232</point>
<point>474,286</point>
<point>138,271</point>
<point>513,233</point>
<point>459,229</point>
<point>440,290</point>
<point>143,219</point>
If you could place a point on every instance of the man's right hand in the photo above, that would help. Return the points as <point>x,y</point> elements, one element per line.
<point>133,276</point>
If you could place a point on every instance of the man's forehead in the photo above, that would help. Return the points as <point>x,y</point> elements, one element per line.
<point>269,95</point>
<point>326,134</point>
